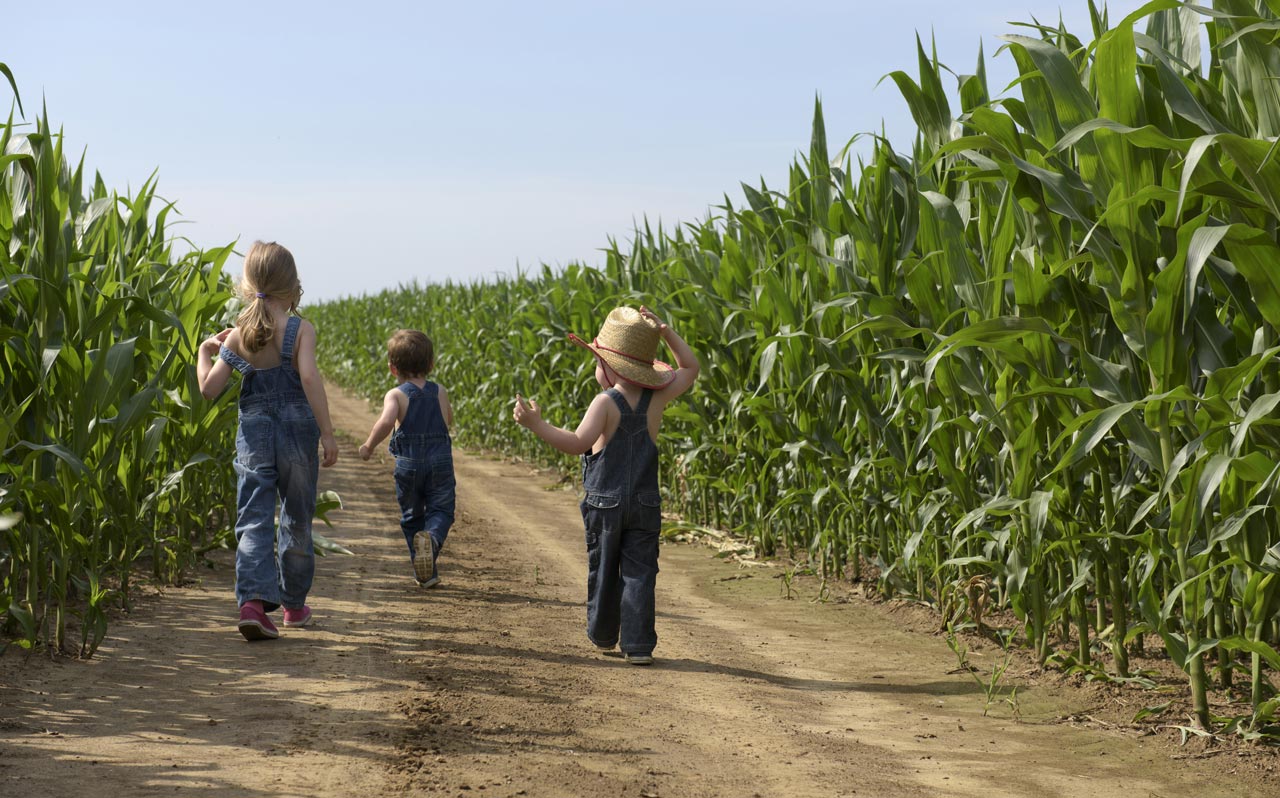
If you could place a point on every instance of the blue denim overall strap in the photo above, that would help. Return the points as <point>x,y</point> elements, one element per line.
<point>425,483</point>
<point>423,429</point>
<point>290,336</point>
<point>235,361</point>
<point>286,349</point>
<point>622,513</point>
<point>276,462</point>
<point>628,463</point>
<point>278,383</point>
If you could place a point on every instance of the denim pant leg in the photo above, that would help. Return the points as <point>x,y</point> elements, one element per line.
<point>411,479</point>
<point>441,498</point>
<point>298,438</point>
<point>639,576</point>
<point>257,577</point>
<point>604,587</point>
<point>639,572</point>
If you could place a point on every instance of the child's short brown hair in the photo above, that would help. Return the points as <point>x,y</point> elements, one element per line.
<point>411,353</point>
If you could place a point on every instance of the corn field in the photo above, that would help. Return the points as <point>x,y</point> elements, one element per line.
<point>1036,353</point>
<point>111,458</point>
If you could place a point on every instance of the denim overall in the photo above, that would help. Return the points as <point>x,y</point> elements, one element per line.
<point>276,456</point>
<point>622,513</point>
<point>424,467</point>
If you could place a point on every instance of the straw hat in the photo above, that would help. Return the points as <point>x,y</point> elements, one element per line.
<point>628,344</point>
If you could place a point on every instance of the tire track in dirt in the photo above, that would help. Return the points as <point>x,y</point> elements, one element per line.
<point>752,695</point>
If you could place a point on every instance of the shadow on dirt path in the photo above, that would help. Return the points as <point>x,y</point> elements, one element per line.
<point>487,685</point>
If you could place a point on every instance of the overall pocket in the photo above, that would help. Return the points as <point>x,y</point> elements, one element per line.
<point>255,441</point>
<point>648,511</point>
<point>601,514</point>
<point>409,480</point>
<point>301,438</point>
<point>602,501</point>
<point>442,461</point>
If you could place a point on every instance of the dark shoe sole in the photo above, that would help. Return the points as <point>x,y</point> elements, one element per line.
<point>423,565</point>
<point>254,630</point>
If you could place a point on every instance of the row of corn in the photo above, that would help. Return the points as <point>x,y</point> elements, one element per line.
<point>1036,353</point>
<point>110,461</point>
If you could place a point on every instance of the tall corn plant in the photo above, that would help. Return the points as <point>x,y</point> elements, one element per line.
<point>1035,354</point>
<point>110,456</point>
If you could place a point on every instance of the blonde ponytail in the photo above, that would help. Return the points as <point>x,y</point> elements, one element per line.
<point>269,271</point>
<point>257,325</point>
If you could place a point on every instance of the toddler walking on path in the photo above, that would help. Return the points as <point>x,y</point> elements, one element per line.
<point>284,414</point>
<point>617,438</point>
<point>419,412</point>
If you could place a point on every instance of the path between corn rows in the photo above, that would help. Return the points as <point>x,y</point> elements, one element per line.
<point>487,686</point>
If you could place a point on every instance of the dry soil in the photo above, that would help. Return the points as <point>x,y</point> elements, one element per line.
<point>487,685</point>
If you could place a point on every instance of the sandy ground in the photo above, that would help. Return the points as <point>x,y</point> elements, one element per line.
<point>487,685</point>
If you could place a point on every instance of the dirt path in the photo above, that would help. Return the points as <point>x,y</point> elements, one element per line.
<point>487,685</point>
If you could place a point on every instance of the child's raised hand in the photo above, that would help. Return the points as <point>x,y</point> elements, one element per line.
<point>526,412</point>
<point>649,314</point>
<point>210,346</point>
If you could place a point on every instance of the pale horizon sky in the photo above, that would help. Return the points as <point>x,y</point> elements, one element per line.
<point>388,142</point>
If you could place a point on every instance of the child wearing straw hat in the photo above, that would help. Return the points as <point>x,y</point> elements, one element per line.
<point>617,438</point>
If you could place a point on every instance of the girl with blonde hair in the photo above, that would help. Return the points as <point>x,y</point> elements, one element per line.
<point>284,415</point>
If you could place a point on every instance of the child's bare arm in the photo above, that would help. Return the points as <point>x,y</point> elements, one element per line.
<point>446,409</point>
<point>210,375</point>
<point>579,441</point>
<point>687,365</point>
<point>313,387</point>
<point>384,425</point>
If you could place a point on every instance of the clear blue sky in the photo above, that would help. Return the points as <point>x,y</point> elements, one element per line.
<point>384,142</point>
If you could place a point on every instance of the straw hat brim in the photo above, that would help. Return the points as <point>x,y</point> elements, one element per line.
<point>656,375</point>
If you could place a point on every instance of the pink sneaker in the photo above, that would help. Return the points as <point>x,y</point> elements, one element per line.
<point>254,623</point>
<point>300,617</point>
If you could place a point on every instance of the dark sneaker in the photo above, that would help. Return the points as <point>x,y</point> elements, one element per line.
<point>640,659</point>
<point>300,617</point>
<point>255,625</point>
<point>424,568</point>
